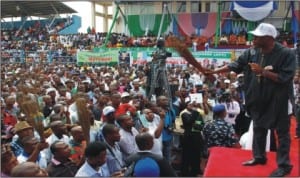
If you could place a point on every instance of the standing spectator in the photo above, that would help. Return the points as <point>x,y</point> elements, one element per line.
<point>61,165</point>
<point>169,120</point>
<point>128,133</point>
<point>192,145</point>
<point>114,156</point>
<point>154,125</point>
<point>95,164</point>
<point>269,68</point>
<point>145,144</point>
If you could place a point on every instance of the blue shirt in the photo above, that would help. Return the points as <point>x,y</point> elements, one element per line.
<point>87,171</point>
<point>168,123</point>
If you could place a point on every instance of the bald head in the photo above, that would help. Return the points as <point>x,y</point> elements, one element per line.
<point>28,169</point>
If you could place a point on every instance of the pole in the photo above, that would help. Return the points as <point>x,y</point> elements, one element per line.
<point>218,27</point>
<point>111,27</point>
<point>161,22</point>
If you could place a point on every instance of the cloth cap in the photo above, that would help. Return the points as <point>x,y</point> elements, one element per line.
<point>265,29</point>
<point>226,81</point>
<point>22,125</point>
<point>198,83</point>
<point>125,94</point>
<point>108,109</point>
<point>50,90</point>
<point>218,108</point>
<point>146,167</point>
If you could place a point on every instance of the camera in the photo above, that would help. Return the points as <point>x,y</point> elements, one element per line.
<point>169,128</point>
<point>225,97</point>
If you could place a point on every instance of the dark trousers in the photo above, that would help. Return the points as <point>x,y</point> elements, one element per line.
<point>191,154</point>
<point>283,149</point>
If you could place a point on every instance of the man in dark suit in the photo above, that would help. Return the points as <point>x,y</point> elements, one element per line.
<point>145,143</point>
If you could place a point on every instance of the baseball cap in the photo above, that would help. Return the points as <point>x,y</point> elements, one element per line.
<point>218,108</point>
<point>108,109</point>
<point>265,29</point>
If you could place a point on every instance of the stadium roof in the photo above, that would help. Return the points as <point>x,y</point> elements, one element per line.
<point>33,8</point>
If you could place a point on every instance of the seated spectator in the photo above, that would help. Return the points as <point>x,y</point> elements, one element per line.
<point>145,143</point>
<point>95,164</point>
<point>61,165</point>
<point>78,145</point>
<point>8,160</point>
<point>28,169</point>
<point>219,132</point>
<point>59,133</point>
<point>22,129</point>
<point>32,151</point>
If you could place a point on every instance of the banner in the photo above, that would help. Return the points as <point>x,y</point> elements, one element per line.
<point>140,56</point>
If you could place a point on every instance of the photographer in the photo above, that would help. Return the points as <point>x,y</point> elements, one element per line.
<point>157,80</point>
<point>232,107</point>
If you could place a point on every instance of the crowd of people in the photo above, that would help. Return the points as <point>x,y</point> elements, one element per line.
<point>99,120</point>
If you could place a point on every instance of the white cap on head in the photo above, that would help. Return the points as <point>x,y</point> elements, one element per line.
<point>265,29</point>
<point>108,109</point>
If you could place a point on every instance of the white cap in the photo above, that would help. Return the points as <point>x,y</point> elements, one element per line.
<point>107,110</point>
<point>226,81</point>
<point>50,90</point>
<point>125,94</point>
<point>265,29</point>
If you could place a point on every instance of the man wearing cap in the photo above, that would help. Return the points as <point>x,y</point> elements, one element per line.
<point>219,132</point>
<point>268,70</point>
<point>22,129</point>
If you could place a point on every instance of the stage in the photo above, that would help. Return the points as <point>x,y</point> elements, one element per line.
<point>227,162</point>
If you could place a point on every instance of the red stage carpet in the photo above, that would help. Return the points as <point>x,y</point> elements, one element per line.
<point>227,162</point>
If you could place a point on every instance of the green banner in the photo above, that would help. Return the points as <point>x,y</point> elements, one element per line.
<point>109,57</point>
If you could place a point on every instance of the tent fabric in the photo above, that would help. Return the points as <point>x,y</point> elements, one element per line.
<point>253,10</point>
<point>191,24</point>
<point>138,25</point>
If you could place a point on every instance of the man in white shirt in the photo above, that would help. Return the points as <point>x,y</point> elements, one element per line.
<point>95,164</point>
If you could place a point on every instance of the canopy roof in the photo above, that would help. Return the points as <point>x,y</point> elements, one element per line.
<point>33,8</point>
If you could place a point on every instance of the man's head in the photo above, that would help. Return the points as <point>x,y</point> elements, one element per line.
<point>264,35</point>
<point>23,129</point>
<point>144,141</point>
<point>95,153</point>
<point>8,159</point>
<point>29,143</point>
<point>60,150</point>
<point>265,29</point>
<point>58,128</point>
<point>109,113</point>
<point>219,111</point>
<point>149,115</point>
<point>77,134</point>
<point>28,169</point>
<point>125,121</point>
<point>160,43</point>
<point>111,133</point>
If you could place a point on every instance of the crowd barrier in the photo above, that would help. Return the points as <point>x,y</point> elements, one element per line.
<point>21,56</point>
